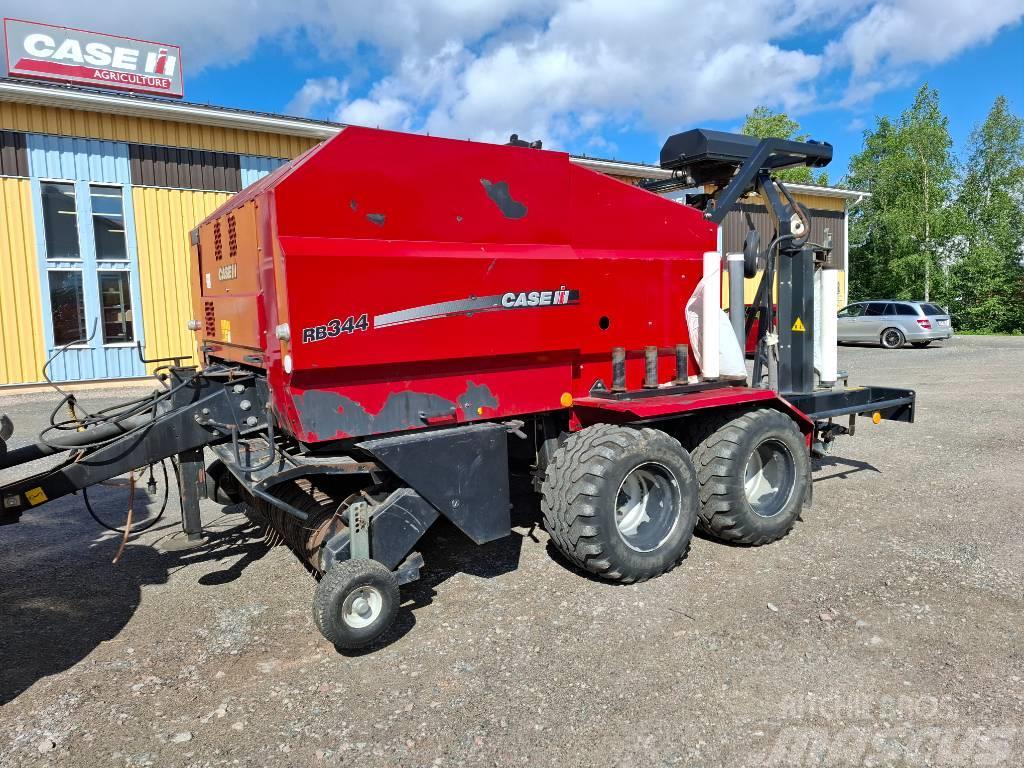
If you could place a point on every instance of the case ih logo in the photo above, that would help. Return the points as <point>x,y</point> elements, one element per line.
<point>45,52</point>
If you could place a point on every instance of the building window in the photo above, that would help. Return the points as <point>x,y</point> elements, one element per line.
<point>60,220</point>
<point>108,223</point>
<point>67,306</point>
<point>116,307</point>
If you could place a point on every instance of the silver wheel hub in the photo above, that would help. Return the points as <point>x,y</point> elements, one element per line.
<point>647,507</point>
<point>769,478</point>
<point>362,606</point>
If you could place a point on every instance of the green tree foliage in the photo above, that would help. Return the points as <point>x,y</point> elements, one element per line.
<point>766,124</point>
<point>900,232</point>
<point>986,270</point>
<point>929,232</point>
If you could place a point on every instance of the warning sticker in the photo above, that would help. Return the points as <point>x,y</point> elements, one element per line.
<point>799,326</point>
<point>225,331</point>
<point>35,496</point>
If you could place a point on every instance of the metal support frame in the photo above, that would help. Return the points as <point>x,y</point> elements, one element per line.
<point>796,322</point>
<point>198,413</point>
<point>191,487</point>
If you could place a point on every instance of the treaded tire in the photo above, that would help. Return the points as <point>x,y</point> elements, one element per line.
<point>580,491</point>
<point>337,584</point>
<point>892,338</point>
<point>721,460</point>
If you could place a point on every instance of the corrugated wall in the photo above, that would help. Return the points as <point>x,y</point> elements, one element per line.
<point>34,118</point>
<point>163,220</point>
<point>21,341</point>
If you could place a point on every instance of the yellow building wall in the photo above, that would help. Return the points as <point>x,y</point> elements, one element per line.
<point>34,118</point>
<point>163,220</point>
<point>21,343</point>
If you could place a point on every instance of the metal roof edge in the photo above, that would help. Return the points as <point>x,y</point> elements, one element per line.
<point>822,191</point>
<point>165,110</point>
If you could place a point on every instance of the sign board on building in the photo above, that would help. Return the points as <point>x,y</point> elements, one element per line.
<point>63,54</point>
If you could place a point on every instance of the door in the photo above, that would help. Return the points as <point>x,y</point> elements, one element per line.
<point>873,321</point>
<point>87,257</point>
<point>847,322</point>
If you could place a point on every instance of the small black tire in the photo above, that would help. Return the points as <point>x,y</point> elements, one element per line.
<point>723,460</point>
<point>621,503</point>
<point>920,344</point>
<point>892,338</point>
<point>336,609</point>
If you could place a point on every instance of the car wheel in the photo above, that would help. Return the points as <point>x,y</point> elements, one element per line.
<point>893,338</point>
<point>920,344</point>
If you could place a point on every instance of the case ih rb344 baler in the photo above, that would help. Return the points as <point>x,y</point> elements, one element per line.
<point>392,324</point>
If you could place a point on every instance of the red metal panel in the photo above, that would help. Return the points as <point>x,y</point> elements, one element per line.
<point>427,280</point>
<point>592,410</point>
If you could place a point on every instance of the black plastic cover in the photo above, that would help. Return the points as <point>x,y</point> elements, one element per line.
<point>713,156</point>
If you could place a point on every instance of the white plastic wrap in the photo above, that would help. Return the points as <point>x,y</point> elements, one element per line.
<point>730,356</point>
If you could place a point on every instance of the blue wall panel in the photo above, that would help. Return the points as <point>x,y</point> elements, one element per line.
<point>85,162</point>
<point>255,168</point>
<point>58,157</point>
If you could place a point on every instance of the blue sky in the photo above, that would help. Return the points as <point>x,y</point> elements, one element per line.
<point>599,77</point>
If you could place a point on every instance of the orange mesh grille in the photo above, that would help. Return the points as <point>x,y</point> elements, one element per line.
<point>211,320</point>
<point>218,245</point>
<point>232,237</point>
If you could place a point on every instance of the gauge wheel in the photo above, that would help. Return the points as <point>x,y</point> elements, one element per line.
<point>355,602</point>
<point>754,474</point>
<point>893,338</point>
<point>620,502</point>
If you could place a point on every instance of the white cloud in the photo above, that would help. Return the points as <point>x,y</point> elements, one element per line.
<point>564,70</point>
<point>315,92</point>
<point>901,32</point>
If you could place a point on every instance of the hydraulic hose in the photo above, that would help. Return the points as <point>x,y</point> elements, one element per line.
<point>71,440</point>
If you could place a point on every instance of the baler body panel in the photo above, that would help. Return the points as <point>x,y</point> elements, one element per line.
<point>428,281</point>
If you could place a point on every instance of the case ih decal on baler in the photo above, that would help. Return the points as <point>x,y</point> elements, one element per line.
<point>474,304</point>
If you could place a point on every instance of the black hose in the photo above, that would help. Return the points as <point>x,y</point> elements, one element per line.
<point>149,524</point>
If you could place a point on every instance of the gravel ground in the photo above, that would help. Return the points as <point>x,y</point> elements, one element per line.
<point>885,630</point>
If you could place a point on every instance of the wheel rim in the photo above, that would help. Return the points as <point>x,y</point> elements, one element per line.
<point>769,478</point>
<point>892,338</point>
<point>362,606</point>
<point>647,507</point>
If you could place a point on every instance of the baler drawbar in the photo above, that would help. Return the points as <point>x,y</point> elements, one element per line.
<point>379,351</point>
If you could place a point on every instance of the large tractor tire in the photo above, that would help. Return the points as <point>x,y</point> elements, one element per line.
<point>755,474</point>
<point>621,502</point>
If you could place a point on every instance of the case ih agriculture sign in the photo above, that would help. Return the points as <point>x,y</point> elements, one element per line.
<point>44,52</point>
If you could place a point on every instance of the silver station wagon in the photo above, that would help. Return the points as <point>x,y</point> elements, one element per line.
<point>893,323</point>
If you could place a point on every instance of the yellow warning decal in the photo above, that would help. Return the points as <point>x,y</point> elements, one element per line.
<point>225,331</point>
<point>35,496</point>
<point>799,326</point>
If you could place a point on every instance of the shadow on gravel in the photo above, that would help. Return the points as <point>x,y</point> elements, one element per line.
<point>60,596</point>
<point>851,467</point>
